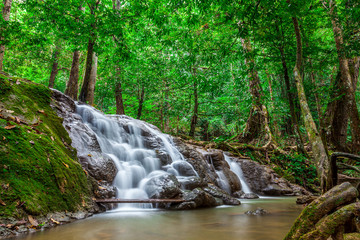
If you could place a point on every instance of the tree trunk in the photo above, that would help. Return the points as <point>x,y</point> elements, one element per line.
<point>141,102</point>
<point>346,78</point>
<point>337,116</point>
<point>318,148</point>
<point>257,123</point>
<point>194,118</point>
<point>89,59</point>
<point>118,88</point>
<point>54,69</point>
<point>93,73</point>
<point>275,117</point>
<point>6,16</point>
<point>72,86</point>
<point>119,98</point>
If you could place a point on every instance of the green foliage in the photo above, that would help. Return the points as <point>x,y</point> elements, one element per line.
<point>296,168</point>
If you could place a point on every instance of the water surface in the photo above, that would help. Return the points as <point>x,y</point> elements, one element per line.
<point>225,223</point>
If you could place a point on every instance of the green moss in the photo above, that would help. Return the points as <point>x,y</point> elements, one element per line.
<point>39,172</point>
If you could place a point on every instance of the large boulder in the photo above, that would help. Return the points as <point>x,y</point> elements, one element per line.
<point>190,183</point>
<point>163,186</point>
<point>219,193</point>
<point>197,198</point>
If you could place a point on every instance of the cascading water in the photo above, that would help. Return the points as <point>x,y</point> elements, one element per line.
<point>234,166</point>
<point>123,140</point>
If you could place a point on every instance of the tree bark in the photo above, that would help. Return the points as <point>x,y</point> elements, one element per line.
<point>118,88</point>
<point>346,78</point>
<point>194,118</point>
<point>258,122</point>
<point>337,116</point>
<point>72,86</point>
<point>6,16</point>
<point>54,69</point>
<point>119,98</point>
<point>93,73</point>
<point>318,148</point>
<point>141,102</point>
<point>318,216</point>
<point>89,62</point>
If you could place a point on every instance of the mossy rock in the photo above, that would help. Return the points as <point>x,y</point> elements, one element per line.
<point>39,171</point>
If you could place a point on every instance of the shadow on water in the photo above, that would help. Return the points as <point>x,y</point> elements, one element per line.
<point>224,222</point>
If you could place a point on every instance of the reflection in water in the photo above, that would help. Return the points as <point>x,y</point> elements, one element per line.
<point>210,224</point>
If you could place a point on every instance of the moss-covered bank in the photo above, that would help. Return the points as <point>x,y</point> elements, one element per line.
<point>39,171</point>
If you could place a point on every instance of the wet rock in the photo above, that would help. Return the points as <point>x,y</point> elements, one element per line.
<point>60,217</point>
<point>163,186</point>
<point>184,206</point>
<point>184,168</point>
<point>242,195</point>
<point>197,160</point>
<point>305,199</point>
<point>264,181</point>
<point>219,193</point>
<point>105,190</point>
<point>164,157</point>
<point>257,212</point>
<point>232,178</point>
<point>99,166</point>
<point>79,215</point>
<point>197,198</point>
<point>190,183</point>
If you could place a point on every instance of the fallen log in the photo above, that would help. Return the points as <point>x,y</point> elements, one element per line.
<point>319,211</point>
<point>116,200</point>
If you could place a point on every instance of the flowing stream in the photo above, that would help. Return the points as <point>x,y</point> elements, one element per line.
<point>228,223</point>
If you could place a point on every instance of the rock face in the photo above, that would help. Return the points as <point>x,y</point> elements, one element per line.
<point>261,179</point>
<point>264,181</point>
<point>99,166</point>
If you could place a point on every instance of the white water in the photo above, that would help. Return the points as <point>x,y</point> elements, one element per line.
<point>121,139</point>
<point>235,167</point>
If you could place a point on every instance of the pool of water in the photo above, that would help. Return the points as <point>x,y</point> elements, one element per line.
<point>225,222</point>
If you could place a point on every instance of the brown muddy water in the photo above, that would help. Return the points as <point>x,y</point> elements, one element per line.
<point>222,223</point>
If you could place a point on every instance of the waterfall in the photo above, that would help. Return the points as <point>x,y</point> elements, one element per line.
<point>235,167</point>
<point>130,144</point>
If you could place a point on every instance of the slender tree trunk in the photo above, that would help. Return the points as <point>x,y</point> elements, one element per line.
<point>6,16</point>
<point>118,88</point>
<point>89,62</point>
<point>346,77</point>
<point>141,102</point>
<point>291,97</point>
<point>118,97</point>
<point>93,73</point>
<point>275,123</point>
<point>54,69</point>
<point>194,118</point>
<point>319,150</point>
<point>72,86</point>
